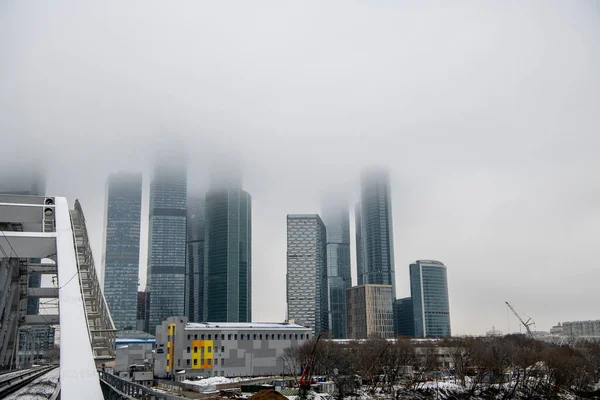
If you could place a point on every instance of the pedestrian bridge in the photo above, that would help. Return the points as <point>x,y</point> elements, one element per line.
<point>41,235</point>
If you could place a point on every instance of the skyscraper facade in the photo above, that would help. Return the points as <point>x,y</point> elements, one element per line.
<point>167,242</point>
<point>429,292</point>
<point>377,239</point>
<point>228,255</point>
<point>122,247</point>
<point>404,321</point>
<point>360,267</point>
<point>194,270</point>
<point>306,290</point>
<point>25,179</point>
<point>337,224</point>
<point>370,312</point>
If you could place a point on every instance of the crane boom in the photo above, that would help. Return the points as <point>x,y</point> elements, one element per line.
<point>526,324</point>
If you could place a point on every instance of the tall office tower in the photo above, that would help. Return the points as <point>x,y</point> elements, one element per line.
<point>377,229</point>
<point>360,267</point>
<point>306,290</point>
<point>194,267</point>
<point>228,253</point>
<point>370,312</point>
<point>429,292</point>
<point>337,225</point>
<point>404,320</point>
<point>26,179</point>
<point>167,241</point>
<point>122,246</point>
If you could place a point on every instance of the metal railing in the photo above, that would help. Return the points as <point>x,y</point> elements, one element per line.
<point>115,388</point>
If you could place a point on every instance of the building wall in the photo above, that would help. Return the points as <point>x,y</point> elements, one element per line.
<point>404,321</point>
<point>131,354</point>
<point>581,328</point>
<point>167,243</point>
<point>194,287</point>
<point>377,230</point>
<point>122,247</point>
<point>228,256</point>
<point>370,312</point>
<point>337,225</point>
<point>429,292</point>
<point>224,349</point>
<point>306,293</point>
<point>360,264</point>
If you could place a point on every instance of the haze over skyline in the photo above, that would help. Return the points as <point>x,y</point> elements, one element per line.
<point>485,114</point>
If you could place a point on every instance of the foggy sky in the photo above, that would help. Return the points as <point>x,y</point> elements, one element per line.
<point>487,115</point>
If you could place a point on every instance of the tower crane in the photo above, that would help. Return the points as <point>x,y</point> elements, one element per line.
<point>526,324</point>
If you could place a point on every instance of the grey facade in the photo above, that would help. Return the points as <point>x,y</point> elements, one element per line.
<point>337,224</point>
<point>228,255</point>
<point>429,292</point>
<point>404,320</point>
<point>26,179</point>
<point>370,312</point>
<point>122,247</point>
<point>167,243</point>
<point>376,228</point>
<point>306,292</point>
<point>224,348</point>
<point>360,267</point>
<point>194,270</point>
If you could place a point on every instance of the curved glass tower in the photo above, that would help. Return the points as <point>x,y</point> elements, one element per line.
<point>429,292</point>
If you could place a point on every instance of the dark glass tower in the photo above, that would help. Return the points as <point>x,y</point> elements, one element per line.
<point>337,224</point>
<point>122,247</point>
<point>360,268</point>
<point>228,257</point>
<point>376,230</point>
<point>429,292</point>
<point>404,321</point>
<point>167,241</point>
<point>194,270</point>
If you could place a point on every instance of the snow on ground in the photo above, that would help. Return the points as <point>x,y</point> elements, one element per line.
<point>40,389</point>
<point>216,380</point>
<point>13,374</point>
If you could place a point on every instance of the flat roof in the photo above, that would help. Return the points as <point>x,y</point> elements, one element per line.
<point>243,325</point>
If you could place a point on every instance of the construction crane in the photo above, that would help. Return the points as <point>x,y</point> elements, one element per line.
<point>526,324</point>
<point>306,378</point>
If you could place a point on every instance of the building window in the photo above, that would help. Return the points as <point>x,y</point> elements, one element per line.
<point>229,336</point>
<point>196,337</point>
<point>279,336</point>
<point>189,337</point>
<point>179,363</point>
<point>216,361</point>
<point>284,336</point>
<point>195,349</point>
<point>187,361</point>
<point>235,336</point>
<point>209,336</point>
<point>209,361</point>
<point>188,350</point>
<point>222,336</point>
<point>195,361</point>
<point>254,337</point>
<point>222,362</point>
<point>302,336</point>
<point>296,336</point>
<point>209,349</point>
<point>272,336</point>
<point>260,336</point>
<point>202,337</point>
<point>222,349</point>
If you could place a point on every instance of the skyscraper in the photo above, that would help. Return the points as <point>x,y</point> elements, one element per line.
<point>122,247</point>
<point>370,312</point>
<point>429,292</point>
<point>404,320</point>
<point>194,269</point>
<point>167,241</point>
<point>360,267</point>
<point>337,224</point>
<point>307,271</point>
<point>26,179</point>
<point>376,229</point>
<point>228,254</point>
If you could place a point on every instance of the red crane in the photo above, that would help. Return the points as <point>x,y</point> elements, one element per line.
<point>305,379</point>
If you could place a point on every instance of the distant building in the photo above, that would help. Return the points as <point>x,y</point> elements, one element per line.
<point>122,247</point>
<point>376,230</point>
<point>224,348</point>
<point>404,320</point>
<point>360,267</point>
<point>167,240</point>
<point>578,329</point>
<point>369,312</point>
<point>142,302</point>
<point>34,343</point>
<point>337,224</point>
<point>228,253</point>
<point>429,292</point>
<point>25,179</point>
<point>194,270</point>
<point>307,271</point>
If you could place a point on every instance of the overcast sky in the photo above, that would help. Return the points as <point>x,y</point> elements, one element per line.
<point>486,113</point>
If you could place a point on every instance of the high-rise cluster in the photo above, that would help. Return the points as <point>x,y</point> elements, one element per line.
<point>370,308</point>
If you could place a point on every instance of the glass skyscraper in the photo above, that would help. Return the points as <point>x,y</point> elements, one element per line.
<point>194,270</point>
<point>337,224</point>
<point>375,229</point>
<point>404,321</point>
<point>122,247</point>
<point>167,241</point>
<point>429,292</point>
<point>306,291</point>
<point>228,254</point>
